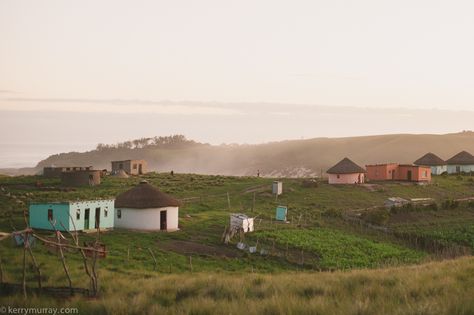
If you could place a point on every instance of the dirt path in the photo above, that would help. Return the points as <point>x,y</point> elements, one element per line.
<point>186,247</point>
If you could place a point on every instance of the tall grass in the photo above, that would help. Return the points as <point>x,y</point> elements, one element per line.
<point>433,288</point>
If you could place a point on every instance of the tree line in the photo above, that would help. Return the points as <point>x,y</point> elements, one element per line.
<point>173,141</point>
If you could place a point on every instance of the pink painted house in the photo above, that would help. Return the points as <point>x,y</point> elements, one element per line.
<point>346,172</point>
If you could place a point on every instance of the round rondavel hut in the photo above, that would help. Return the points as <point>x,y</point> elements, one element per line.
<point>145,207</point>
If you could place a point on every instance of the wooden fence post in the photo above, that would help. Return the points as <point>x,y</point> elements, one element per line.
<point>228,201</point>
<point>1,271</point>
<point>253,201</point>
<point>24,272</point>
<point>191,263</point>
<point>154,259</point>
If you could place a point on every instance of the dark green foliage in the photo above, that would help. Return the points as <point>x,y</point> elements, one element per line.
<point>378,216</point>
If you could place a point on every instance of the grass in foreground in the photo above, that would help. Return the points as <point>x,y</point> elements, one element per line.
<point>434,288</point>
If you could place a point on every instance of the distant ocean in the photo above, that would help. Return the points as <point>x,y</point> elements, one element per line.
<point>29,154</point>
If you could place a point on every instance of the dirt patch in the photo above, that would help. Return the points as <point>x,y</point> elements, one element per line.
<point>372,187</point>
<point>188,248</point>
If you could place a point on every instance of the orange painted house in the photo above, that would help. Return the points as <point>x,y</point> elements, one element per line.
<point>401,172</point>
<point>382,171</point>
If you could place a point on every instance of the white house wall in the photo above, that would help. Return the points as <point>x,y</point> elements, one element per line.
<point>146,219</point>
<point>464,168</point>
<point>438,170</point>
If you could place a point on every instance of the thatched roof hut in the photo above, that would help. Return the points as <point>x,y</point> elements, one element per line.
<point>145,207</point>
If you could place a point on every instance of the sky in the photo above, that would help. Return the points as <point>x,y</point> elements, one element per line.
<point>76,73</point>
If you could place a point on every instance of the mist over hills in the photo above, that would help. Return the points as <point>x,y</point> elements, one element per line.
<point>290,158</point>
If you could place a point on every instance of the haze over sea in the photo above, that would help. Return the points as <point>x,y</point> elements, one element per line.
<point>17,155</point>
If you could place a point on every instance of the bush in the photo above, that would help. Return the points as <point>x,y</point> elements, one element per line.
<point>376,216</point>
<point>333,213</point>
<point>450,204</point>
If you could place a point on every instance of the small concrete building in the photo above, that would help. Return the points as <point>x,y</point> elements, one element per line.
<point>380,172</point>
<point>131,167</point>
<point>401,172</point>
<point>56,171</point>
<point>346,172</point>
<point>438,165</point>
<point>277,188</point>
<point>81,178</point>
<point>144,207</point>
<point>413,173</point>
<point>72,215</point>
<point>463,162</point>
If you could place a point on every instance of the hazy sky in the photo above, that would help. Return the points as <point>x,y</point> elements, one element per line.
<point>196,63</point>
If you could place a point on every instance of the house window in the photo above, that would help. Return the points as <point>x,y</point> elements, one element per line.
<point>78,214</point>
<point>50,214</point>
<point>338,176</point>
<point>106,212</point>
<point>135,166</point>
<point>119,214</point>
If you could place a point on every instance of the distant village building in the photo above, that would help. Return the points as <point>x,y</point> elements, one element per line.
<point>131,167</point>
<point>144,207</point>
<point>346,172</point>
<point>277,188</point>
<point>72,215</point>
<point>56,171</point>
<point>81,178</point>
<point>382,171</point>
<point>400,172</point>
<point>463,162</point>
<point>438,165</point>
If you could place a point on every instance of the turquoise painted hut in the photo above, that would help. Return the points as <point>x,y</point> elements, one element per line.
<point>70,215</point>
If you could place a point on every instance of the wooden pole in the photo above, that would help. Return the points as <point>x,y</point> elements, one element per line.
<point>1,271</point>
<point>63,261</point>
<point>27,245</point>
<point>191,263</point>
<point>75,238</point>
<point>36,266</point>
<point>228,201</point>
<point>154,258</point>
<point>24,272</point>
<point>253,201</point>
<point>128,254</point>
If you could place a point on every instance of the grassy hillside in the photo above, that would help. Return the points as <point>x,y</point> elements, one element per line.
<point>297,266</point>
<point>285,159</point>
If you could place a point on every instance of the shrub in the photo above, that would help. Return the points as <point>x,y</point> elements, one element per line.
<point>333,213</point>
<point>376,216</point>
<point>450,204</point>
